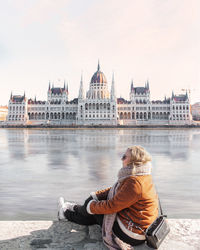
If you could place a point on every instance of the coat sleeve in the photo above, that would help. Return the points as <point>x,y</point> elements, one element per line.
<point>128,193</point>
<point>101,194</point>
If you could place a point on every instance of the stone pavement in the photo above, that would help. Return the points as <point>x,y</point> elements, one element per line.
<point>31,235</point>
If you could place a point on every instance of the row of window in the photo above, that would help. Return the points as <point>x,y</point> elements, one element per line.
<point>177,116</point>
<point>97,95</point>
<point>144,108</point>
<point>52,116</point>
<point>52,109</point>
<point>180,107</point>
<point>16,117</point>
<point>98,116</point>
<point>13,108</point>
<point>97,106</point>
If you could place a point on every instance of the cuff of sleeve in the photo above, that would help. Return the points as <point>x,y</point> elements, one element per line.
<point>88,207</point>
<point>94,196</point>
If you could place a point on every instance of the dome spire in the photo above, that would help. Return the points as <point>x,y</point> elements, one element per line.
<point>98,67</point>
<point>98,76</point>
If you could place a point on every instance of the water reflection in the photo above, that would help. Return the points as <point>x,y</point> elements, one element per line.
<point>39,165</point>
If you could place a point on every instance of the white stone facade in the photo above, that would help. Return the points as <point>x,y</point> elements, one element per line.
<point>99,107</point>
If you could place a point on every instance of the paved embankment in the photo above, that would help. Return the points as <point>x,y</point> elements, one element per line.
<point>184,235</point>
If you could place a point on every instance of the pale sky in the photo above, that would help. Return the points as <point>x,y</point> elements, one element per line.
<point>42,40</point>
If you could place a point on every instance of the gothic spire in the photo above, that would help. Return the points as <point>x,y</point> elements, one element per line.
<point>11,95</point>
<point>81,91</point>
<point>49,86</point>
<point>147,84</point>
<point>132,87</point>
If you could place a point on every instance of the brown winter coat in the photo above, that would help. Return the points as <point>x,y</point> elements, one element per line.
<point>136,197</point>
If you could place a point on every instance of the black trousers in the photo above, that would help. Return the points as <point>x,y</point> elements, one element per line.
<point>98,219</point>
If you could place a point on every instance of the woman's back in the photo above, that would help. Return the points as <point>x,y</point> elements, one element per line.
<point>145,209</point>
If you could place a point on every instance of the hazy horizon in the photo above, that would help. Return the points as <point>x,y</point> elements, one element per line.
<point>47,40</point>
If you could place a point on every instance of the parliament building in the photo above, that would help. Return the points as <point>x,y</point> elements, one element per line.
<point>99,106</point>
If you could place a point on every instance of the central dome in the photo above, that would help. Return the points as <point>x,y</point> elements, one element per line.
<point>98,76</point>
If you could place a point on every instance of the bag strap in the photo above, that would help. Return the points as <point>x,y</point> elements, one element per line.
<point>161,211</point>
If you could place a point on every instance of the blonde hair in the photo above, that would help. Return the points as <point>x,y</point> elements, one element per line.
<point>139,156</point>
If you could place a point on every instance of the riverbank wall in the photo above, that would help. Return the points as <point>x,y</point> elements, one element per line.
<point>31,235</point>
<point>103,127</point>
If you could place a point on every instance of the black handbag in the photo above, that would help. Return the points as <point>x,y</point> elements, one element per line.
<point>157,231</point>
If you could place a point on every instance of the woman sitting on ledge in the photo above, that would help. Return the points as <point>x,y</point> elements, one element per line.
<point>119,210</point>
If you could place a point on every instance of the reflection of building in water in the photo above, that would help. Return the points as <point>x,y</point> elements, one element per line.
<point>165,142</point>
<point>17,143</point>
<point>157,136</point>
<point>99,106</point>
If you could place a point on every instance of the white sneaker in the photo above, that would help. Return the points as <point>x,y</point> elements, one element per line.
<point>63,206</point>
<point>69,205</point>
<point>61,209</point>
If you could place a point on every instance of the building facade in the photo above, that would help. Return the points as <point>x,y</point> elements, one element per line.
<point>3,113</point>
<point>99,106</point>
<point>196,111</point>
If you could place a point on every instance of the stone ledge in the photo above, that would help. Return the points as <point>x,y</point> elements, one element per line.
<point>31,235</point>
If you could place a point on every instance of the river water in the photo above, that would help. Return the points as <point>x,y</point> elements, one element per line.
<point>37,166</point>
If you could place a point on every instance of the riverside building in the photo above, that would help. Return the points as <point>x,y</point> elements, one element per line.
<point>3,113</point>
<point>99,106</point>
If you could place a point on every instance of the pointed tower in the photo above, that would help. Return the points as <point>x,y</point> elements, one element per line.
<point>81,90</point>
<point>147,86</point>
<point>132,87</point>
<point>172,94</point>
<point>11,96</point>
<point>112,92</point>
<point>98,66</point>
<point>186,95</point>
<point>64,85</point>
<point>49,86</point>
<point>132,92</point>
